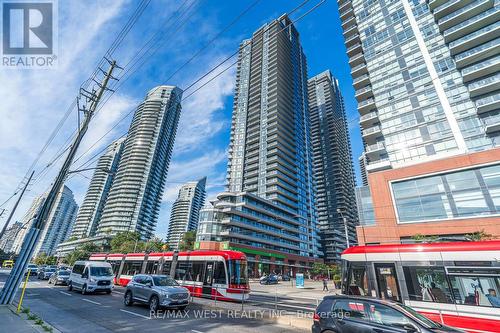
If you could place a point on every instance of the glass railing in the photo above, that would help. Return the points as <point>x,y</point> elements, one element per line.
<point>484,82</point>
<point>495,120</point>
<point>471,20</point>
<point>461,10</point>
<point>369,116</point>
<point>488,100</point>
<point>475,34</point>
<point>477,49</point>
<point>358,67</point>
<point>481,65</point>
<point>374,147</point>
<point>371,130</point>
<point>363,90</point>
<point>361,78</point>
<point>353,47</point>
<point>445,5</point>
<point>366,102</point>
<point>352,38</point>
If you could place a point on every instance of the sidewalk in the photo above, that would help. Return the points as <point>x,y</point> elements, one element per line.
<point>311,290</point>
<point>11,322</point>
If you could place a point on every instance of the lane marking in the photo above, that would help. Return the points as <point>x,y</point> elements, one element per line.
<point>195,331</point>
<point>93,302</point>
<point>31,294</point>
<point>135,314</point>
<point>64,293</point>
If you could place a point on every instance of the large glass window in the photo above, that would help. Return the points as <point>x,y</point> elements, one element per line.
<point>427,284</point>
<point>453,195</point>
<point>350,309</point>
<point>132,267</point>
<point>479,287</point>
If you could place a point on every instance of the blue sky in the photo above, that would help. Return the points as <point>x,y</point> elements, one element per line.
<point>34,100</point>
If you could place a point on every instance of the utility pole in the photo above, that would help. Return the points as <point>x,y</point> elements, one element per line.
<point>15,205</point>
<point>92,98</point>
<point>345,227</point>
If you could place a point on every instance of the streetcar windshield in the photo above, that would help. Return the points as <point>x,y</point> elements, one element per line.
<point>238,272</point>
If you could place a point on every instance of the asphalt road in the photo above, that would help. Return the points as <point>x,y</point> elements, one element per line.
<point>101,313</point>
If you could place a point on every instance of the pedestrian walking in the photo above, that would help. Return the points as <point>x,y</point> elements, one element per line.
<point>325,284</point>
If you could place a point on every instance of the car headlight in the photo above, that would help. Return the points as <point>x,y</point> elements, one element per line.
<point>165,294</point>
<point>93,280</point>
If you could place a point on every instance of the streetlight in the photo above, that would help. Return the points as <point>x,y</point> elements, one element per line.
<point>345,227</point>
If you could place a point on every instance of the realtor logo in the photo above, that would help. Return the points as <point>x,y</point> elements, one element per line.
<point>28,34</point>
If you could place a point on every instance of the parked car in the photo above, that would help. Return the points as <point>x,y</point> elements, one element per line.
<point>40,269</point>
<point>156,290</point>
<point>285,277</point>
<point>268,279</point>
<point>33,270</point>
<point>59,277</point>
<point>90,276</point>
<point>348,314</point>
<point>46,273</point>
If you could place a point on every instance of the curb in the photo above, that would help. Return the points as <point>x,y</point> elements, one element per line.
<point>36,327</point>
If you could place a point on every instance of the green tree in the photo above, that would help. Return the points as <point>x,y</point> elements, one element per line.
<point>155,245</point>
<point>187,241</point>
<point>82,252</point>
<point>126,242</point>
<point>43,259</point>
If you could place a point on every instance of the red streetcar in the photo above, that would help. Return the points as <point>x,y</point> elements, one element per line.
<point>457,284</point>
<point>221,274</point>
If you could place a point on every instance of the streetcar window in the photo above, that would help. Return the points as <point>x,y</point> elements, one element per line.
<point>166,268</point>
<point>476,290</point>
<point>115,265</point>
<point>151,267</point>
<point>358,281</point>
<point>238,272</point>
<point>197,271</point>
<point>132,267</point>
<point>427,284</point>
<point>182,271</point>
<point>219,273</point>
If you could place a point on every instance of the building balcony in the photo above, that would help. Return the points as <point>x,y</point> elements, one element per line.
<point>472,24</point>
<point>448,7</point>
<point>363,93</point>
<point>374,149</point>
<point>366,105</point>
<point>368,119</point>
<point>350,31</point>
<point>487,104</point>
<point>354,49</point>
<point>484,86</point>
<point>346,13</point>
<point>344,5</point>
<point>481,69</point>
<point>492,124</point>
<point>349,22</point>
<point>359,70</point>
<point>476,38</point>
<point>433,4</point>
<point>378,165</point>
<point>352,40</point>
<point>357,59</point>
<point>371,131</point>
<point>466,12</point>
<point>361,81</point>
<point>478,53</point>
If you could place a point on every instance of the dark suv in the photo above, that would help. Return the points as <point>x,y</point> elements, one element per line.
<point>347,314</point>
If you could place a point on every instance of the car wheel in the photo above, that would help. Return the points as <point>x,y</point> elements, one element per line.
<point>153,304</point>
<point>127,300</point>
<point>70,287</point>
<point>84,289</point>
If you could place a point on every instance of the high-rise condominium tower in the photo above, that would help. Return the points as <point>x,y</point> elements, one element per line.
<point>270,162</point>
<point>91,210</point>
<point>185,211</point>
<point>134,199</point>
<point>27,221</point>
<point>9,237</point>
<point>59,223</point>
<point>427,81</point>
<point>332,166</point>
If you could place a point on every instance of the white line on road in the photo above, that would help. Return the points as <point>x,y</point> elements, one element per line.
<point>31,294</point>
<point>135,314</point>
<point>64,293</point>
<point>195,331</point>
<point>93,302</point>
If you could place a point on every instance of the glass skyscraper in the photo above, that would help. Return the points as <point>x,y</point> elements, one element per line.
<point>270,148</point>
<point>91,210</point>
<point>134,199</point>
<point>186,211</point>
<point>332,166</point>
<point>426,77</point>
<point>427,81</point>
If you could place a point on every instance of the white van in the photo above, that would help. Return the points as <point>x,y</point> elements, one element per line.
<point>90,276</point>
